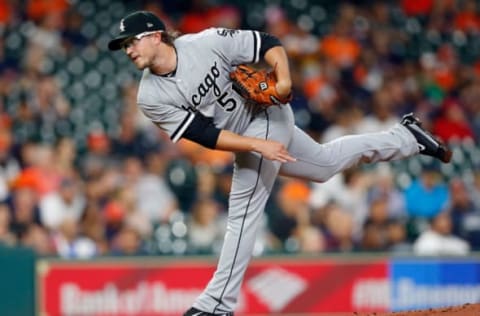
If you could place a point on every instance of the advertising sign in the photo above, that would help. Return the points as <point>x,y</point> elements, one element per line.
<point>156,287</point>
<point>429,284</point>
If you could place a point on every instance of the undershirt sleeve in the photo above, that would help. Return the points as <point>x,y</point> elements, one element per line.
<point>202,131</point>
<point>268,41</point>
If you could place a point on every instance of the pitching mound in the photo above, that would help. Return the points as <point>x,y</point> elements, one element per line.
<point>462,310</point>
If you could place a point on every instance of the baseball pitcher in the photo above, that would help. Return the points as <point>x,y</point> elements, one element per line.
<point>199,87</point>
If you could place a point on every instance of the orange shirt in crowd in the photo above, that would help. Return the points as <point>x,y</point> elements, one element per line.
<point>445,78</point>
<point>452,131</point>
<point>5,12</point>
<point>295,190</point>
<point>467,21</point>
<point>452,125</point>
<point>41,181</point>
<point>417,7</point>
<point>37,9</point>
<point>312,86</point>
<point>343,51</point>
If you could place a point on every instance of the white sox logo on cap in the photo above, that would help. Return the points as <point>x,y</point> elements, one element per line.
<point>134,24</point>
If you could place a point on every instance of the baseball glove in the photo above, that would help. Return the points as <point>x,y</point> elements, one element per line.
<point>257,86</point>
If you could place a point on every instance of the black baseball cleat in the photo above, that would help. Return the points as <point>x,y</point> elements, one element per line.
<point>428,144</point>
<point>195,312</point>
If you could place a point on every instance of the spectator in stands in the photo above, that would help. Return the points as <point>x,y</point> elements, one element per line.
<point>376,227</point>
<point>338,228</point>
<point>205,227</point>
<point>66,158</point>
<point>465,216</point>
<point>127,243</point>
<point>129,140</point>
<point>382,116</point>
<point>447,67</point>
<point>6,237</point>
<point>384,186</point>
<point>182,178</point>
<point>93,226</point>
<point>379,45</point>
<point>277,22</point>
<point>52,109</point>
<point>305,237</point>
<point>9,164</point>
<point>42,174</point>
<point>25,123</point>
<point>48,18</point>
<point>152,182</point>
<point>417,7</point>
<point>319,88</point>
<point>6,13</point>
<point>473,188</point>
<point>280,224</point>
<point>293,210</point>
<point>36,10</point>
<point>345,122</point>
<point>340,47</point>
<point>373,238</point>
<point>99,187</point>
<point>203,15</point>
<point>72,36</point>
<point>469,96</point>
<point>23,204</point>
<point>68,202</point>
<point>427,195</point>
<point>124,200</point>
<point>438,240</point>
<point>38,239</point>
<point>309,239</point>
<point>349,191</point>
<point>452,125</point>
<point>467,18</point>
<point>397,237</point>
<point>70,244</point>
<point>206,182</point>
<point>97,157</point>
<point>165,10</point>
<point>223,185</point>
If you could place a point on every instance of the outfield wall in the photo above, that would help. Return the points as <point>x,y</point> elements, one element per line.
<point>332,284</point>
<point>280,285</point>
<point>17,289</point>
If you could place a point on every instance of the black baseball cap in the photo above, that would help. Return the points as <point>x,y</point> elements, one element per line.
<point>136,23</point>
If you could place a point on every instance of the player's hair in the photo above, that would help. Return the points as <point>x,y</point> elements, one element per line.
<point>168,37</point>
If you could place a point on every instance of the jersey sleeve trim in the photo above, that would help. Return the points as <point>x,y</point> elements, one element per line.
<point>256,47</point>
<point>182,127</point>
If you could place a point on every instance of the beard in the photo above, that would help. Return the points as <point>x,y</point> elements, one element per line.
<point>140,62</point>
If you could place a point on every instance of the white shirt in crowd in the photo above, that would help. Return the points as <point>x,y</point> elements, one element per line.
<point>54,210</point>
<point>431,243</point>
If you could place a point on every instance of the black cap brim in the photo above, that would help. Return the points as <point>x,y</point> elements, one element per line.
<point>116,43</point>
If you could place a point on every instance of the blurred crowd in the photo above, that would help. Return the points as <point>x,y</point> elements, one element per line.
<point>83,173</point>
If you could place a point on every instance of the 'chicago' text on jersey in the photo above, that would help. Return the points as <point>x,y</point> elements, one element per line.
<point>209,82</point>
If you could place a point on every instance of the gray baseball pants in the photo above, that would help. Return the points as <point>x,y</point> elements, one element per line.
<point>254,177</point>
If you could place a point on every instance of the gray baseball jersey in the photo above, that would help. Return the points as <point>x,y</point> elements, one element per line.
<point>201,84</point>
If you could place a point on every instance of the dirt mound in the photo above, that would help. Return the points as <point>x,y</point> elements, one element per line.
<point>462,310</point>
